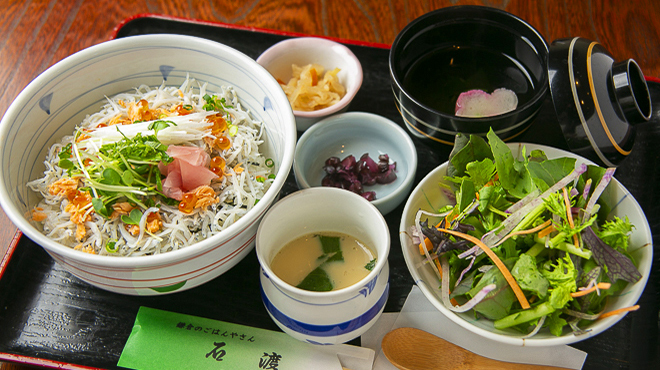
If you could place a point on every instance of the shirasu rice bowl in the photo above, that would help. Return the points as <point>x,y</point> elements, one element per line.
<point>155,170</point>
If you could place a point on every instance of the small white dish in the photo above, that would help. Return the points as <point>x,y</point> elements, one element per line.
<point>430,196</point>
<point>307,50</point>
<point>358,133</point>
<point>336,316</point>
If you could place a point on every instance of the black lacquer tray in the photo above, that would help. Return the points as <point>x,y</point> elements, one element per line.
<point>50,318</point>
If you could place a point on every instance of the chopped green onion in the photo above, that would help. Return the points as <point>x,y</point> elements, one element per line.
<point>270,163</point>
<point>233,130</point>
<point>111,246</point>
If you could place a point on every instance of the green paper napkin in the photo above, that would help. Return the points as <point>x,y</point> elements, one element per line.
<point>167,340</point>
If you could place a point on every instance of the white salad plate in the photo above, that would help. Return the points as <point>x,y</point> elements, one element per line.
<point>429,196</point>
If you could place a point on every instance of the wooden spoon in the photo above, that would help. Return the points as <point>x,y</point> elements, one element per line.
<point>414,349</point>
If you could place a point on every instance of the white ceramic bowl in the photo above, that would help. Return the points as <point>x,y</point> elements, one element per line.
<point>357,133</point>
<point>324,317</point>
<point>429,196</point>
<point>306,50</point>
<point>58,99</point>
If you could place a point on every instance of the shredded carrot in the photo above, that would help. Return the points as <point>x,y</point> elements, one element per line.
<point>569,215</point>
<point>545,232</point>
<point>426,245</point>
<point>500,265</point>
<point>590,290</point>
<point>620,310</point>
<point>437,264</point>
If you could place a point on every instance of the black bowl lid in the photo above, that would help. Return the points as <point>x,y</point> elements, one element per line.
<point>597,100</point>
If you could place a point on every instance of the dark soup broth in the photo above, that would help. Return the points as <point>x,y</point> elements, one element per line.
<point>438,78</point>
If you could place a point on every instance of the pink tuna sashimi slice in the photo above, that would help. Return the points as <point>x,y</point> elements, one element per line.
<point>191,154</point>
<point>477,103</point>
<point>172,185</point>
<point>186,172</point>
<point>195,176</point>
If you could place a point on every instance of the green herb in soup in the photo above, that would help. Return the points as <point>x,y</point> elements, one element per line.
<point>324,262</point>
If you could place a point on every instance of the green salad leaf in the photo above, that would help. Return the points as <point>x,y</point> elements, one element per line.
<point>538,216</point>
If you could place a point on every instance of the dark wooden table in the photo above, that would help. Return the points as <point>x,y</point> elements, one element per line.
<point>36,34</point>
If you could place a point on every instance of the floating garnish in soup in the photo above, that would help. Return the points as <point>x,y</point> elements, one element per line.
<point>310,89</point>
<point>323,262</point>
<point>439,77</point>
<point>478,103</point>
<point>353,175</point>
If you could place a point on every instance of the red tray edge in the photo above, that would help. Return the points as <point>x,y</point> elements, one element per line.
<point>49,364</point>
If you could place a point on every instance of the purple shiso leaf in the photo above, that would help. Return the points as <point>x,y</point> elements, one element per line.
<point>590,279</point>
<point>445,291</point>
<point>602,184</point>
<point>491,237</point>
<point>431,233</point>
<point>440,241</point>
<point>618,265</point>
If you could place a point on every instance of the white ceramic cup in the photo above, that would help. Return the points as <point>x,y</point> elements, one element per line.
<point>324,317</point>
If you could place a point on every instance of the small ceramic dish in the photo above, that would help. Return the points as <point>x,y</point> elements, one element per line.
<point>431,194</point>
<point>453,50</point>
<point>357,133</point>
<point>301,51</point>
<point>329,317</point>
